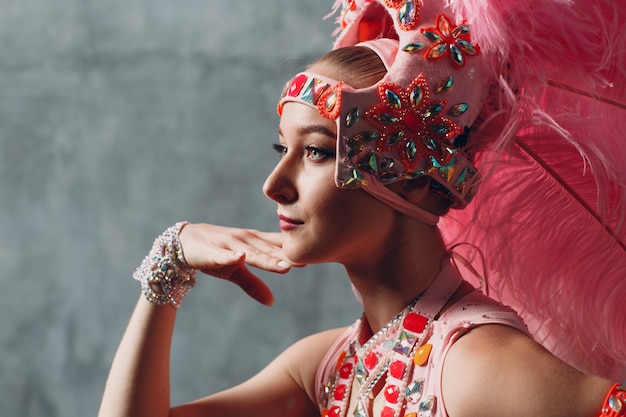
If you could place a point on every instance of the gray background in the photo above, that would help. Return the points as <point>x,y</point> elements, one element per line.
<point>118,118</point>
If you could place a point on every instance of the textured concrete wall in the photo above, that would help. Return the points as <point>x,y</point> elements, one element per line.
<point>118,118</point>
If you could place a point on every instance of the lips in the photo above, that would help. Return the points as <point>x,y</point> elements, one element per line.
<point>287,223</point>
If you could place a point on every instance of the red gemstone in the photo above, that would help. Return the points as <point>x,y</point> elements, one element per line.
<point>396,369</point>
<point>296,85</point>
<point>391,394</point>
<point>387,412</point>
<point>345,370</point>
<point>334,412</point>
<point>371,360</point>
<point>415,323</point>
<point>413,122</point>
<point>340,392</point>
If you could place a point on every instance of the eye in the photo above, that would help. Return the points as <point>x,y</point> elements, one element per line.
<point>314,153</point>
<point>280,149</point>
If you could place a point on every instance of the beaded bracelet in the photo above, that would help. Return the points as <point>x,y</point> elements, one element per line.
<point>164,274</point>
<point>615,402</point>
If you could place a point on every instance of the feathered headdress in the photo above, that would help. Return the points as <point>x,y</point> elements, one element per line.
<point>550,146</point>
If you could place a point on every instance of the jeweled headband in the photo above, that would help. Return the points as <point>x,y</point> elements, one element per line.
<point>408,125</point>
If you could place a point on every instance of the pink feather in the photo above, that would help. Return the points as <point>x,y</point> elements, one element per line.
<point>549,216</point>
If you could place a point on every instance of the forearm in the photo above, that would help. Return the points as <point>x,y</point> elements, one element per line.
<point>138,383</point>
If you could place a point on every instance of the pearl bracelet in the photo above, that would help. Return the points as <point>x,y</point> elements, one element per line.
<point>164,274</point>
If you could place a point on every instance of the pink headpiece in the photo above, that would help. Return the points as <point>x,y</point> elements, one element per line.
<point>405,126</point>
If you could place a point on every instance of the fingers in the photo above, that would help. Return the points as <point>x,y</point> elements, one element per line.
<point>253,286</point>
<point>211,247</point>
<point>226,253</point>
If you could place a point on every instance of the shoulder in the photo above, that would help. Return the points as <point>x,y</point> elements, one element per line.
<point>303,358</point>
<point>498,370</point>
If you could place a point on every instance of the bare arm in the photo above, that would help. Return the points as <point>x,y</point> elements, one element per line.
<point>138,383</point>
<point>496,370</point>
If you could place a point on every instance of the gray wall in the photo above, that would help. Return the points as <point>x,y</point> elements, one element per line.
<point>118,118</point>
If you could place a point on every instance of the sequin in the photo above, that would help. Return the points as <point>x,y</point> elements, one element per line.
<point>365,137</point>
<point>414,390</point>
<point>410,150</point>
<point>615,404</point>
<point>430,143</point>
<point>340,392</point>
<point>397,369</point>
<point>411,415</point>
<point>392,393</point>
<point>334,412</point>
<point>439,128</point>
<point>432,36</point>
<point>352,117</point>
<point>359,411</point>
<point>360,372</point>
<point>387,119</point>
<point>386,164</point>
<point>422,354</point>
<point>415,323</point>
<point>446,169</point>
<point>408,14</point>
<point>405,343</point>
<point>427,406</point>
<point>387,412</point>
<point>433,110</point>
<point>444,85</point>
<point>437,51</point>
<point>331,101</point>
<point>456,56</point>
<point>371,163</point>
<point>395,137</point>
<point>370,360</point>
<point>345,370</point>
<point>458,109</point>
<point>413,47</point>
<point>354,178</point>
<point>465,46</point>
<point>393,99</point>
<point>416,95</point>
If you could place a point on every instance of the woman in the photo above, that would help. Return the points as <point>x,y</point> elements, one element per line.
<point>353,190</point>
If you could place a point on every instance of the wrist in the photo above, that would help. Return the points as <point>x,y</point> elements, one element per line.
<point>165,276</point>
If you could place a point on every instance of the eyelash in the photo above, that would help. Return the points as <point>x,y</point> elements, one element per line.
<point>282,151</point>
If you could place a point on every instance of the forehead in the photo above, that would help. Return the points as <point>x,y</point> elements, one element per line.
<point>301,117</point>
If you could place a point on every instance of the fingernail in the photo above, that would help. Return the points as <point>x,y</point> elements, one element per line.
<point>283,265</point>
<point>239,254</point>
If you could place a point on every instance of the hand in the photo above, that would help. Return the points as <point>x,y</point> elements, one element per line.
<point>223,252</point>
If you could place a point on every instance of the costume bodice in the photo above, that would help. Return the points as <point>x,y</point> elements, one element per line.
<point>408,355</point>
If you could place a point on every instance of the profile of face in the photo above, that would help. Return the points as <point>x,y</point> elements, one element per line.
<point>321,222</point>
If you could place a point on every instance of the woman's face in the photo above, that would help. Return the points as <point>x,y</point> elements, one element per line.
<point>320,222</point>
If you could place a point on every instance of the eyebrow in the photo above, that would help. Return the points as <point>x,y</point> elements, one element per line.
<point>307,130</point>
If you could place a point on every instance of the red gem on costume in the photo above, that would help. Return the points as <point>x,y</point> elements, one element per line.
<point>334,412</point>
<point>370,360</point>
<point>387,412</point>
<point>391,393</point>
<point>396,369</point>
<point>296,85</point>
<point>415,323</point>
<point>413,122</point>
<point>340,392</point>
<point>345,370</point>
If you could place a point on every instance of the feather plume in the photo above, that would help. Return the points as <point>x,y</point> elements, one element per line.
<point>549,216</point>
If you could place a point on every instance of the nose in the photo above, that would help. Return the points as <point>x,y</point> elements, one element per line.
<point>279,184</point>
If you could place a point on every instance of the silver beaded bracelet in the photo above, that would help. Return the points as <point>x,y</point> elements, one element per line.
<point>164,274</point>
